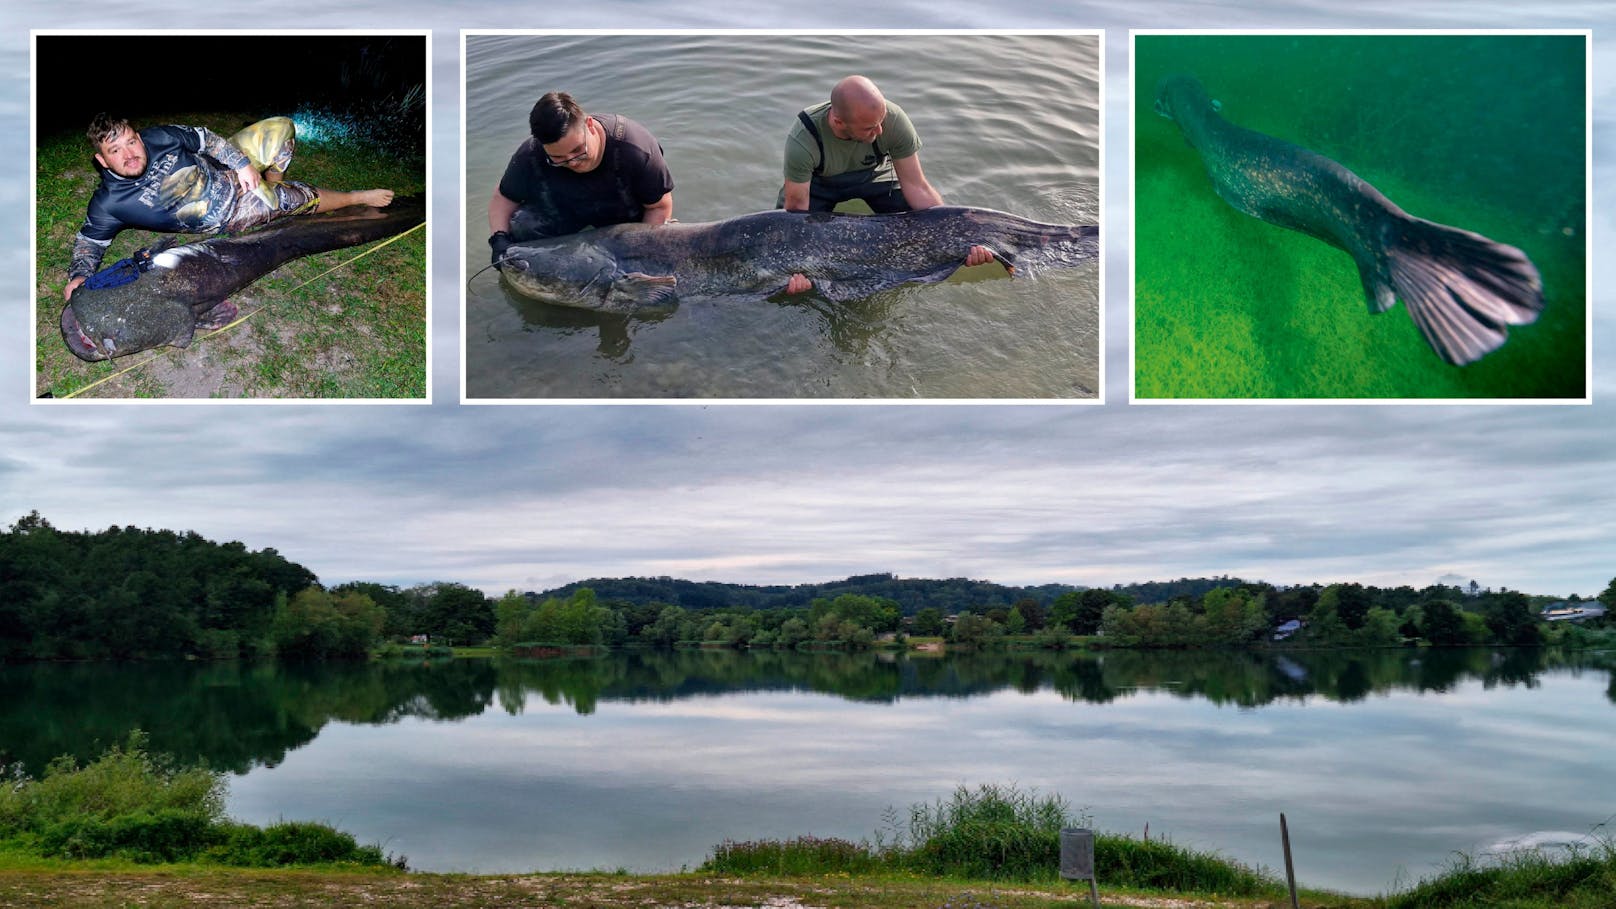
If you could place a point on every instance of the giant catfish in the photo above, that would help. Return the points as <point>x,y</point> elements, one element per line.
<point>628,267</point>
<point>165,303</point>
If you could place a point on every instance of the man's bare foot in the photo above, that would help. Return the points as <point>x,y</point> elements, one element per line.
<point>799,283</point>
<point>380,198</point>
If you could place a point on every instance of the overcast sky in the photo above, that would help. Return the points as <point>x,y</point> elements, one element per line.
<point>531,497</point>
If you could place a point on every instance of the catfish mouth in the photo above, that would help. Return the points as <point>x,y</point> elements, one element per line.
<point>587,295</point>
<point>80,343</point>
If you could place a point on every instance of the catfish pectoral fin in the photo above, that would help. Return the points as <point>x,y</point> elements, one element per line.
<point>642,289</point>
<point>1461,289</point>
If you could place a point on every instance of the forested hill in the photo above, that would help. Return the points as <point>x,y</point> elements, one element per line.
<point>911,594</point>
<point>128,592</point>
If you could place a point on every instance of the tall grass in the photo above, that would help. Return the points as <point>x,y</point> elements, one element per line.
<point>992,832</point>
<point>141,807</point>
<point>1583,879</point>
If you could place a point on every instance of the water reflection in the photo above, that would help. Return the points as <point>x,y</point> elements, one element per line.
<point>235,716</point>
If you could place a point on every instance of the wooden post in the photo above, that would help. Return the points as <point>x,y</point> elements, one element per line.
<point>1290,870</point>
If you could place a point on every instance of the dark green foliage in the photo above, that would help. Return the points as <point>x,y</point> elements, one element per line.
<point>291,843</point>
<point>910,594</point>
<point>125,592</point>
<point>164,835</point>
<point>1512,620</point>
<point>1444,624</point>
<point>315,624</point>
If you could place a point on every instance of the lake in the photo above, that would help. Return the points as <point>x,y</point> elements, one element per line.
<point>1386,763</point>
<point>1009,122</point>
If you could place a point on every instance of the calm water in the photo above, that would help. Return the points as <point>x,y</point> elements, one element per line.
<point>1006,122</point>
<point>1385,763</point>
<point>1229,306</point>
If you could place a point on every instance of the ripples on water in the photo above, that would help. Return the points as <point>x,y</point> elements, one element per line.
<point>1006,122</point>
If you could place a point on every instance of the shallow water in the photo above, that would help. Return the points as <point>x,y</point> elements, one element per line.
<point>1385,762</point>
<point>1006,122</point>
<point>1230,306</point>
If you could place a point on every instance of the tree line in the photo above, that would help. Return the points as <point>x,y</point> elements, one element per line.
<point>133,593</point>
<point>127,592</point>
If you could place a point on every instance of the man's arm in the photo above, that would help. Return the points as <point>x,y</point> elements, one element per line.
<point>500,210</point>
<point>87,256</point>
<point>796,196</point>
<point>916,191</point>
<point>660,211</point>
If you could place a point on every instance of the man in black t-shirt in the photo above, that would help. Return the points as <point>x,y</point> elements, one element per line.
<point>578,171</point>
<point>187,179</point>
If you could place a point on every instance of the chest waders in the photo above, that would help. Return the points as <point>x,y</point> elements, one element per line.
<point>883,195</point>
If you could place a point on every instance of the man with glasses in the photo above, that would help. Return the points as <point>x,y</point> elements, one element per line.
<point>857,145</point>
<point>576,171</point>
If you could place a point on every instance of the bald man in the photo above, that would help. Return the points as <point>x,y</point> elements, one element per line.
<point>857,145</point>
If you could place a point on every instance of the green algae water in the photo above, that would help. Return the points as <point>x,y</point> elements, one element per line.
<point>1482,132</point>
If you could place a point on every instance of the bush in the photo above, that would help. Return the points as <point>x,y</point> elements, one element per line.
<point>124,781</point>
<point>165,835</point>
<point>291,843</point>
<point>142,808</point>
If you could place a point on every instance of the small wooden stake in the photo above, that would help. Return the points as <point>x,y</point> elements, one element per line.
<point>1290,870</point>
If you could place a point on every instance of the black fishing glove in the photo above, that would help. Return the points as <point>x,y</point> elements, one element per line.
<point>499,242</point>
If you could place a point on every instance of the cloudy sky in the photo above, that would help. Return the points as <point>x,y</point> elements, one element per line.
<point>529,497</point>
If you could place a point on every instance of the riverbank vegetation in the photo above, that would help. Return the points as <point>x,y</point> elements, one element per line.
<point>144,809</point>
<point>89,835</point>
<point>994,833</point>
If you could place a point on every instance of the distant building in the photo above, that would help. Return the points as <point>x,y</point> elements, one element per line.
<point>1286,630</point>
<point>1572,612</point>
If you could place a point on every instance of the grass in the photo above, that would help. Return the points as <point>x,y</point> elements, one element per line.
<point>357,332</point>
<point>993,833</point>
<point>1586,879</point>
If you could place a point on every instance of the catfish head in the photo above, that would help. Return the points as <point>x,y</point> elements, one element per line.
<point>1180,95</point>
<point>571,271</point>
<point>99,324</point>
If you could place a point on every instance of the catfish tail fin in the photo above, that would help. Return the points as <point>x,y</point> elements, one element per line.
<point>1461,289</point>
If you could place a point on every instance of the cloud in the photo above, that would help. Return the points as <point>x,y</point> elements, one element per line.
<point>530,496</point>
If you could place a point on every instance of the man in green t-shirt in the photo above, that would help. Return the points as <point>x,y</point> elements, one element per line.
<point>857,145</point>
